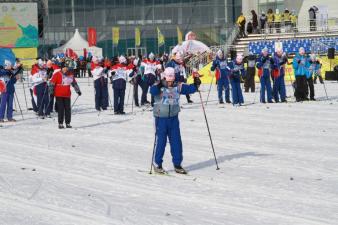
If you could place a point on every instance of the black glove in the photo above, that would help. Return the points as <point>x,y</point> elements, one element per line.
<point>299,61</point>
<point>79,93</point>
<point>197,82</point>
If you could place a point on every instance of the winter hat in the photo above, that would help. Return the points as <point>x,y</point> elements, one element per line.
<point>279,51</point>
<point>169,74</point>
<point>40,62</point>
<point>7,63</point>
<point>301,51</point>
<point>122,59</point>
<point>151,56</point>
<point>220,53</point>
<point>95,59</point>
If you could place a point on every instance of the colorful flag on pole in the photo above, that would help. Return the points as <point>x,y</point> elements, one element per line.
<point>116,35</point>
<point>91,36</point>
<point>160,37</point>
<point>137,36</point>
<point>179,36</point>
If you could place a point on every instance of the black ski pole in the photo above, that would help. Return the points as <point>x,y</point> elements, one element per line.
<point>327,97</point>
<point>153,154</point>
<point>74,102</point>
<point>17,99</point>
<point>206,121</point>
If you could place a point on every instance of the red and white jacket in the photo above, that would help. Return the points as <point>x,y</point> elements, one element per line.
<point>121,71</point>
<point>150,67</point>
<point>97,71</point>
<point>38,75</point>
<point>62,84</point>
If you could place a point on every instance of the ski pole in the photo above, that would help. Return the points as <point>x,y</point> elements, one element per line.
<point>153,154</point>
<point>17,99</point>
<point>74,102</point>
<point>206,121</point>
<point>327,97</point>
<point>128,95</point>
<point>212,79</point>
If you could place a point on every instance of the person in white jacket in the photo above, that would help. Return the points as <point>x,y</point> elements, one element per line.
<point>40,88</point>
<point>100,77</point>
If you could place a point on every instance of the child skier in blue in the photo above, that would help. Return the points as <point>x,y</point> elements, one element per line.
<point>166,108</point>
<point>221,64</point>
<point>237,71</point>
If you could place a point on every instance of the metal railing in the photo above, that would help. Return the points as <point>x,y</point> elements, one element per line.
<point>198,61</point>
<point>323,26</point>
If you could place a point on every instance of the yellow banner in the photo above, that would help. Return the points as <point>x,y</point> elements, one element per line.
<point>137,36</point>
<point>116,35</point>
<point>179,36</point>
<point>160,37</point>
<point>26,55</point>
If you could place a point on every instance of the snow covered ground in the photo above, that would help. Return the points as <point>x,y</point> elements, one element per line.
<point>279,165</point>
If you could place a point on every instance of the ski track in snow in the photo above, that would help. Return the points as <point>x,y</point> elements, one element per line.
<point>279,165</point>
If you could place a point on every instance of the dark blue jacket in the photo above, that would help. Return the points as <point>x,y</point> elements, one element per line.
<point>9,79</point>
<point>223,67</point>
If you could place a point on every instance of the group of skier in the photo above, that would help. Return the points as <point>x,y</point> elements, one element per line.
<point>271,69</point>
<point>166,80</point>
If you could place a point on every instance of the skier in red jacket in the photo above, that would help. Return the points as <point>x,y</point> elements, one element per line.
<point>60,86</point>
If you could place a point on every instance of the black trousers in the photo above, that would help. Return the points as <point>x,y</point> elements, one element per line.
<point>301,88</point>
<point>64,110</point>
<point>119,100</point>
<point>311,88</point>
<point>250,79</point>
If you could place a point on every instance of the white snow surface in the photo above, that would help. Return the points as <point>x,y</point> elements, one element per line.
<point>278,165</point>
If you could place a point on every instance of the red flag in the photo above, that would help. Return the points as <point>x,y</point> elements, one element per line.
<point>91,36</point>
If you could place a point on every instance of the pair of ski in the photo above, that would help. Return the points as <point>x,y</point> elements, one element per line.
<point>163,172</point>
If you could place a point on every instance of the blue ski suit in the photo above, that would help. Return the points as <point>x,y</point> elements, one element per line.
<point>223,81</point>
<point>266,64</point>
<point>166,109</point>
<point>279,82</point>
<point>237,70</point>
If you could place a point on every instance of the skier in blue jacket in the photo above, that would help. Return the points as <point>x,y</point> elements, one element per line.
<point>300,66</point>
<point>280,59</point>
<point>8,77</point>
<point>265,65</point>
<point>166,108</point>
<point>237,71</point>
<point>221,64</point>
